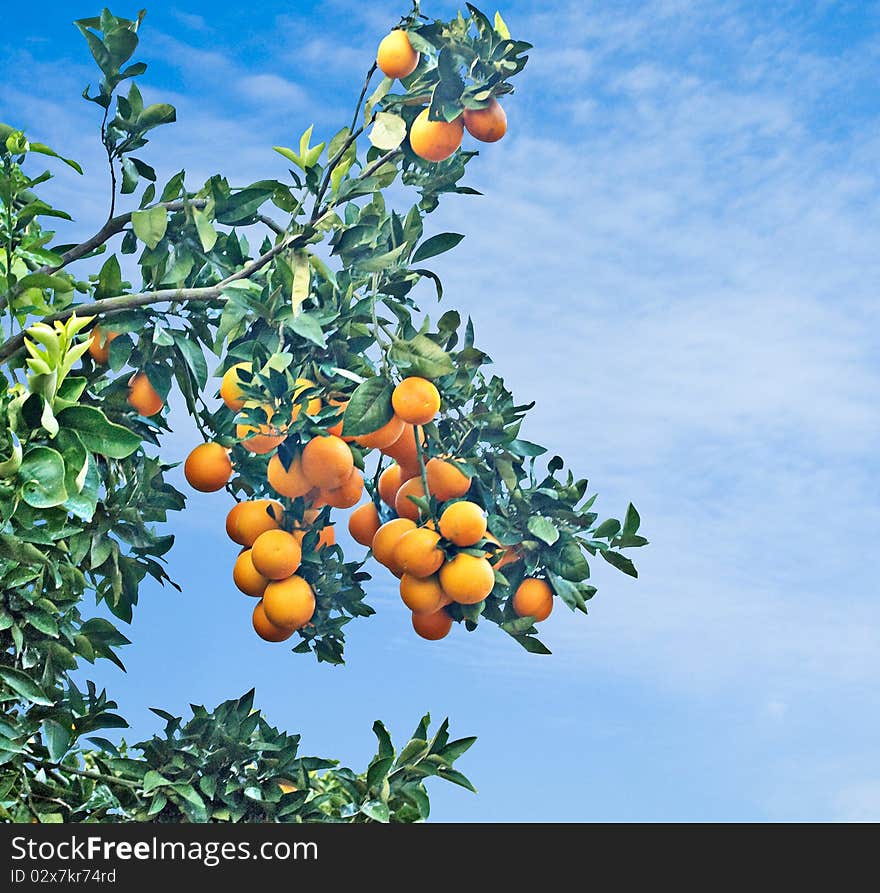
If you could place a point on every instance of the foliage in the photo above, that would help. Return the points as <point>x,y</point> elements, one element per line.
<point>227,765</point>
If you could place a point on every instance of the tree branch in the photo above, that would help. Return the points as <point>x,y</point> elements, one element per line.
<point>85,773</point>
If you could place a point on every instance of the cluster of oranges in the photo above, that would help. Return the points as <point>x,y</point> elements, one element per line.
<point>439,561</point>
<point>437,140</point>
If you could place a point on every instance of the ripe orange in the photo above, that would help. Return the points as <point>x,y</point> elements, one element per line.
<point>404,450</point>
<point>327,536</point>
<point>445,480</point>
<point>230,386</point>
<point>99,344</point>
<point>467,579</point>
<point>389,483</point>
<point>396,56</point>
<point>290,482</point>
<point>337,428</point>
<point>247,520</point>
<point>289,603</point>
<point>533,598</point>
<point>509,555</point>
<point>363,523</point>
<point>246,577</point>
<point>418,553</point>
<point>207,468</point>
<point>262,438</point>
<point>264,627</point>
<point>422,595</point>
<point>384,436</point>
<point>435,140</point>
<point>385,540</point>
<point>432,626</point>
<point>348,494</point>
<point>313,404</point>
<point>142,395</point>
<point>463,523</point>
<point>327,462</point>
<point>488,124</point>
<point>403,505</point>
<point>416,400</point>
<point>276,554</point>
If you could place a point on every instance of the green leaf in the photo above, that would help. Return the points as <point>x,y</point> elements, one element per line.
<point>153,780</point>
<point>154,115</point>
<point>543,528</point>
<point>376,810</point>
<point>45,150</point>
<point>621,562</point>
<point>501,28</point>
<point>388,132</point>
<point>42,477</point>
<point>301,284</point>
<point>149,226</point>
<point>525,448</point>
<point>207,233</point>
<point>607,529</point>
<point>422,356</point>
<point>369,407</point>
<point>309,328</point>
<point>568,592</point>
<point>631,522</point>
<point>436,245</point>
<point>57,739</point>
<point>22,684</point>
<point>98,433</point>
<point>456,777</point>
<point>241,206</point>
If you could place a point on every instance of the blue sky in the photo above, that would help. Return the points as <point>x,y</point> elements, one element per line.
<point>676,256</point>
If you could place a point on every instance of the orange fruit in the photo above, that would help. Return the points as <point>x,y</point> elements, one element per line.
<point>384,436</point>
<point>290,482</point>
<point>327,462</point>
<point>99,344</point>
<point>403,505</point>
<point>416,400</point>
<point>230,386</point>
<point>509,555</point>
<point>337,428</point>
<point>313,404</point>
<point>264,627</point>
<point>276,554</point>
<point>246,577</point>
<point>418,553</point>
<point>435,140</point>
<point>363,523</point>
<point>422,595</point>
<point>406,453</point>
<point>142,395</point>
<point>207,468</point>
<point>487,124</point>
<point>348,494</point>
<point>533,598</point>
<point>463,523</point>
<point>467,579</point>
<point>396,56</point>
<point>385,540</point>
<point>445,480</point>
<point>289,603</point>
<point>390,482</point>
<point>327,536</point>
<point>247,520</point>
<point>262,438</point>
<point>432,626</point>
